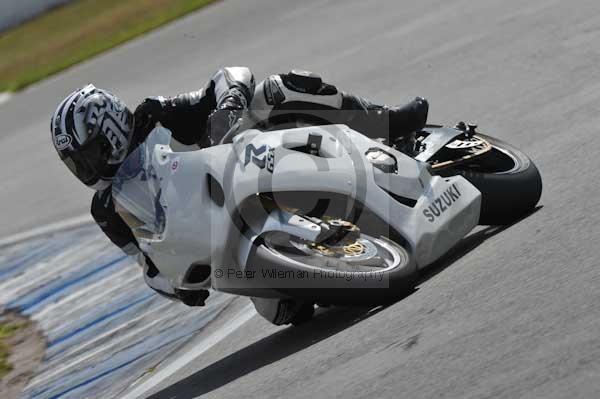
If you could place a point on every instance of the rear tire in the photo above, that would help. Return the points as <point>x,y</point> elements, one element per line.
<point>509,181</point>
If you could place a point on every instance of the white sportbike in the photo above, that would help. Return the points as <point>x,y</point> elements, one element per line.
<point>316,214</point>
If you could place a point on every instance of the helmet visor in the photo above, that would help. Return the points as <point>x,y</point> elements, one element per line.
<point>81,170</point>
<point>91,162</point>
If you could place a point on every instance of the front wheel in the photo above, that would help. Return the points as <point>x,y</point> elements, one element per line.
<point>365,270</point>
<point>509,181</point>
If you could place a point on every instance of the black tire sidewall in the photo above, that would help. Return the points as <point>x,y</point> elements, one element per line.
<point>398,281</point>
<point>506,196</point>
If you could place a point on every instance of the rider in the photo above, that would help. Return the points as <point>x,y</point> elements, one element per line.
<point>93,132</point>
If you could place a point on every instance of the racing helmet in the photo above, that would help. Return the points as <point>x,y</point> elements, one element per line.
<point>92,131</point>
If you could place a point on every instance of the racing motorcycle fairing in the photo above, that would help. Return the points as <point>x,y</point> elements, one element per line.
<point>200,197</point>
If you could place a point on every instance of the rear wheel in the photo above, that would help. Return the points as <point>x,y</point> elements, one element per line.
<point>509,181</point>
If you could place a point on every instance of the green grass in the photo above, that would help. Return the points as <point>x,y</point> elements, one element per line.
<point>7,330</point>
<point>72,33</point>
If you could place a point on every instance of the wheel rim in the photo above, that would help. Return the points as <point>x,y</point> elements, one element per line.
<point>365,254</point>
<point>498,161</point>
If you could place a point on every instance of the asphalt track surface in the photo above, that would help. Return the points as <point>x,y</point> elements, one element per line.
<point>512,313</point>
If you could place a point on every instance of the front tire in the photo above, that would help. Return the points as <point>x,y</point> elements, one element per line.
<point>357,287</point>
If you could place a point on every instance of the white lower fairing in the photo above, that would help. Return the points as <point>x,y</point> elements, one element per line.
<point>208,225</point>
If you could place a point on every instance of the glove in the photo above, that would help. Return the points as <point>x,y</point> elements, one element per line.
<point>192,297</point>
<point>148,113</point>
<point>219,123</point>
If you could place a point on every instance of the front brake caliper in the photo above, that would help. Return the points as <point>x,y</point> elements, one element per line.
<point>336,232</point>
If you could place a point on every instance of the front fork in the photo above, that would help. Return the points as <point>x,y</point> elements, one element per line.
<point>283,221</point>
<point>320,233</point>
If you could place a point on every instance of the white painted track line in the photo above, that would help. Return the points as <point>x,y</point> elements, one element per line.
<point>4,97</point>
<point>237,320</point>
<point>47,229</point>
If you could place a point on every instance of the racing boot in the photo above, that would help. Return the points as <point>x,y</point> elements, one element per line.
<point>391,123</point>
<point>405,122</point>
<point>409,118</point>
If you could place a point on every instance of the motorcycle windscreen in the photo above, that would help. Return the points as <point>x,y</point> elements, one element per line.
<point>137,192</point>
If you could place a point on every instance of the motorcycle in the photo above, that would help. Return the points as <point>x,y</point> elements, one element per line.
<point>319,213</point>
